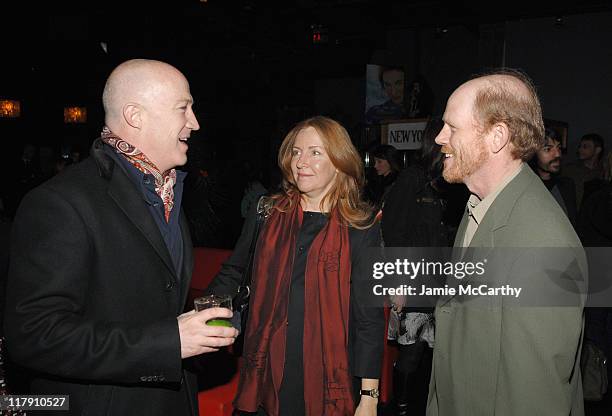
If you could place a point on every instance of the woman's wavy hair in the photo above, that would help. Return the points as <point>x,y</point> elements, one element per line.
<point>345,193</point>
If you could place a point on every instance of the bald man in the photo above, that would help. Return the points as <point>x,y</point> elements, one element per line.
<point>498,355</point>
<point>101,261</point>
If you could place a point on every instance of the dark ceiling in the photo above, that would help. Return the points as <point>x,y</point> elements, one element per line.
<point>241,56</point>
<point>255,29</point>
<point>260,31</point>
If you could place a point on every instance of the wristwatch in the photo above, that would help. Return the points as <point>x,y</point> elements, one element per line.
<point>375,393</point>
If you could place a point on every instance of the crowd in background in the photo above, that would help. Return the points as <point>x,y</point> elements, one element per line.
<point>223,187</point>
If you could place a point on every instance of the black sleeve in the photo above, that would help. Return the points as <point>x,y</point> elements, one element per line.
<point>595,325</point>
<point>368,320</point>
<point>568,192</point>
<point>228,279</point>
<point>46,324</point>
<point>396,211</point>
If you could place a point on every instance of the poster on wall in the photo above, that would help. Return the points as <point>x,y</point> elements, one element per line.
<point>385,91</point>
<point>391,95</point>
<point>404,135</point>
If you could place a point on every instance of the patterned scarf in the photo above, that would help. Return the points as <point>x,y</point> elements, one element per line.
<point>164,182</point>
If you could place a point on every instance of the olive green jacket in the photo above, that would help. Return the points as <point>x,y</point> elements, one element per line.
<point>494,357</point>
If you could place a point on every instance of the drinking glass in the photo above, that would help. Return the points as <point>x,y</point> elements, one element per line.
<point>214,301</point>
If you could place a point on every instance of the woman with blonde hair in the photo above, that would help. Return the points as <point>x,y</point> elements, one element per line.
<point>311,347</point>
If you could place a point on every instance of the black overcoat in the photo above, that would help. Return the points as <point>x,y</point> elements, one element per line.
<point>93,295</point>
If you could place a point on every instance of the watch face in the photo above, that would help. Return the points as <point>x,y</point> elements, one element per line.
<point>372,393</point>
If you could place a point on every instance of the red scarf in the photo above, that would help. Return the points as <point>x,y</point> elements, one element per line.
<point>164,182</point>
<point>327,379</point>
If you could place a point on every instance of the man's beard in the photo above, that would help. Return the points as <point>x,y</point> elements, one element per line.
<point>465,162</point>
<point>547,167</point>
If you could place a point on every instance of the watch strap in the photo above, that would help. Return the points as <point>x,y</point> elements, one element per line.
<point>372,393</point>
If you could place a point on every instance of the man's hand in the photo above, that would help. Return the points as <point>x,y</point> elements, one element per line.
<point>198,338</point>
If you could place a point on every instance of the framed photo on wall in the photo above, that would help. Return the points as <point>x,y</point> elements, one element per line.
<point>385,93</point>
<point>561,129</point>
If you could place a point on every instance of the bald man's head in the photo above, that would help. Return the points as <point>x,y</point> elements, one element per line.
<point>149,105</point>
<point>135,81</point>
<point>509,97</point>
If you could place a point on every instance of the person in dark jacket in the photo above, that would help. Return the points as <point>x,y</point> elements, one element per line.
<point>413,216</point>
<point>311,340</point>
<point>413,210</point>
<point>547,164</point>
<point>387,165</point>
<point>101,262</point>
<point>595,230</point>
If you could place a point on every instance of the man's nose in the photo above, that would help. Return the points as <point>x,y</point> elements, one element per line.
<point>443,136</point>
<point>192,121</point>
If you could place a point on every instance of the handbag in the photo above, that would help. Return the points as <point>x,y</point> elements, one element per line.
<point>594,372</point>
<point>240,302</point>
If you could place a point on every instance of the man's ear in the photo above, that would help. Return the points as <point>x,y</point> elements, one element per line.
<point>132,113</point>
<point>500,137</point>
<point>598,150</point>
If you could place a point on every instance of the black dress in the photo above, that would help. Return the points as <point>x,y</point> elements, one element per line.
<point>366,324</point>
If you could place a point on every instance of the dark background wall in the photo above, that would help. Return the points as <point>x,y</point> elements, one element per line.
<point>570,61</point>
<point>254,70</point>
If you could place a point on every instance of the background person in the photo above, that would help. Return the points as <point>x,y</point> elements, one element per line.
<point>547,164</point>
<point>413,216</point>
<point>595,230</point>
<point>387,165</point>
<point>588,168</point>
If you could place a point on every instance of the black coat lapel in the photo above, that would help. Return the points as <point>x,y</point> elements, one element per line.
<point>187,269</point>
<point>123,192</point>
